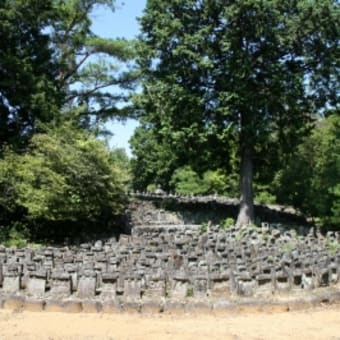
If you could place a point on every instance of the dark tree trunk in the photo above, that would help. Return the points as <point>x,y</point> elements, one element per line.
<point>246,212</point>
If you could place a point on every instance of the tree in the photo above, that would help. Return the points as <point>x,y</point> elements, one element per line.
<point>54,68</point>
<point>244,71</point>
<point>27,69</point>
<point>89,65</point>
<point>67,177</point>
<point>310,181</point>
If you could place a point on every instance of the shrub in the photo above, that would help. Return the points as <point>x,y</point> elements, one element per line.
<point>66,176</point>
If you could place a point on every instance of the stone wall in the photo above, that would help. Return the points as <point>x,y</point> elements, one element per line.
<point>174,209</point>
<point>171,260</point>
<point>175,263</point>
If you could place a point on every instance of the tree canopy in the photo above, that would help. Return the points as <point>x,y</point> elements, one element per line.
<point>55,79</point>
<point>53,67</point>
<point>310,181</point>
<point>242,73</point>
<point>28,70</point>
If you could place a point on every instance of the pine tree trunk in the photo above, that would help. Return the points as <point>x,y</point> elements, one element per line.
<point>246,212</point>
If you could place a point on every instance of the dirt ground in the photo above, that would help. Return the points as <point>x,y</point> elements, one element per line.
<point>319,323</point>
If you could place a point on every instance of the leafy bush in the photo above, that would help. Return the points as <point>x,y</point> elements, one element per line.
<point>151,188</point>
<point>15,235</point>
<point>66,176</point>
<point>228,223</point>
<point>310,181</point>
<point>187,181</point>
<point>263,195</point>
<point>215,182</point>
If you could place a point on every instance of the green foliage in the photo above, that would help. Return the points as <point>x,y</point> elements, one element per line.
<point>52,63</point>
<point>15,235</point>
<point>203,228</point>
<point>228,223</point>
<point>190,292</point>
<point>28,72</point>
<point>154,161</point>
<point>263,194</point>
<point>151,188</point>
<point>288,248</point>
<point>215,181</point>
<point>187,181</point>
<point>66,175</point>
<point>234,79</point>
<point>88,64</point>
<point>334,247</point>
<point>310,181</point>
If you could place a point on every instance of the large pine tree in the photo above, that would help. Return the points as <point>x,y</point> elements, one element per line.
<point>53,67</point>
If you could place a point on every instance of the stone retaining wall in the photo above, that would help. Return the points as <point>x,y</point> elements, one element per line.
<point>174,263</point>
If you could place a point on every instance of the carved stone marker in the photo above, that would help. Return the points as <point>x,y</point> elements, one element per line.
<point>36,284</point>
<point>60,284</point>
<point>87,285</point>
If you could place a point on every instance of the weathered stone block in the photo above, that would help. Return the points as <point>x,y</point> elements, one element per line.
<point>282,282</point>
<point>155,286</point>
<point>108,286</point>
<point>307,280</point>
<point>200,286</point>
<point>111,307</point>
<point>246,286</point>
<point>36,285</point>
<point>14,303</point>
<point>86,286</point>
<point>132,288</point>
<point>1,275</point>
<point>33,305</point>
<point>334,272</point>
<point>179,289</point>
<point>132,307</point>
<point>101,267</point>
<point>152,306</point>
<point>60,284</point>
<point>11,284</point>
<point>89,306</point>
<point>265,282</point>
<point>72,307</point>
<point>219,285</point>
<point>174,307</point>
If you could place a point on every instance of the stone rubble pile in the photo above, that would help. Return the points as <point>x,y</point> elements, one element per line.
<point>175,262</point>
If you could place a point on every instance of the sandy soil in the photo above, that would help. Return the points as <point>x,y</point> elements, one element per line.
<point>320,323</point>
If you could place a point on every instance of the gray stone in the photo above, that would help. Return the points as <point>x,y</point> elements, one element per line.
<point>132,288</point>
<point>11,284</point>
<point>1,275</point>
<point>86,286</point>
<point>36,286</point>
<point>61,284</point>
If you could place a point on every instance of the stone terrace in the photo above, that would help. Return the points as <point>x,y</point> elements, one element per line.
<point>164,262</point>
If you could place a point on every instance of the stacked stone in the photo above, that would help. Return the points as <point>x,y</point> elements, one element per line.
<point>175,262</point>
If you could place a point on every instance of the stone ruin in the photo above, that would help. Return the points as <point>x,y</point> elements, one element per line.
<point>165,265</point>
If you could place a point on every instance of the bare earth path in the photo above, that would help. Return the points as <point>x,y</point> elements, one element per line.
<point>320,323</point>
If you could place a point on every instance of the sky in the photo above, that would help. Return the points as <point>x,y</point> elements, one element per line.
<point>120,24</point>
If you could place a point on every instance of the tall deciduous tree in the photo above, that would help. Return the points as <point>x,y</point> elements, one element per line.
<point>310,181</point>
<point>248,70</point>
